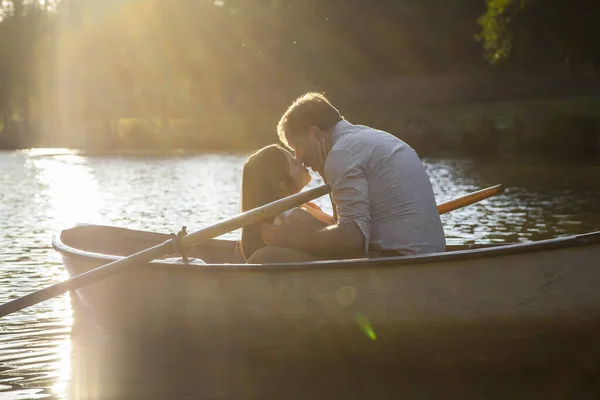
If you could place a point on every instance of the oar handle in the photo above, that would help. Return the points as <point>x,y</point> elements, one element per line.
<point>86,278</point>
<point>145,256</point>
<point>469,199</point>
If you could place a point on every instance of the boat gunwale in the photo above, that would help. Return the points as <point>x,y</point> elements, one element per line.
<point>579,240</point>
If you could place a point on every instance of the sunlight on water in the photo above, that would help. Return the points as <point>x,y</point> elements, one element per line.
<point>62,366</point>
<point>48,151</point>
<point>70,187</point>
<point>63,370</point>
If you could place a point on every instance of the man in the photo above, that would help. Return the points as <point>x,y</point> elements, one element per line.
<point>380,189</point>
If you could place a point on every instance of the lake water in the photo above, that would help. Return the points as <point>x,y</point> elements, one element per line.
<point>42,191</point>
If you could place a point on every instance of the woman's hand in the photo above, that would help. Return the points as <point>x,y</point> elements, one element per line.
<point>318,213</point>
<point>312,205</point>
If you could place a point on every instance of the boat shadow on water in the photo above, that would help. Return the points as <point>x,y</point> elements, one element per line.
<point>545,360</point>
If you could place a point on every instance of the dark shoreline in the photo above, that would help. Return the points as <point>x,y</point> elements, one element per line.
<point>557,128</point>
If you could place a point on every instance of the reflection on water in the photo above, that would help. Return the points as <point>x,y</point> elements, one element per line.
<point>44,191</point>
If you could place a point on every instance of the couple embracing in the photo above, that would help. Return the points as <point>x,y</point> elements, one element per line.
<point>382,197</point>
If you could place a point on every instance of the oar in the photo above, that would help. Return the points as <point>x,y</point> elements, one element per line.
<point>168,247</point>
<point>469,199</point>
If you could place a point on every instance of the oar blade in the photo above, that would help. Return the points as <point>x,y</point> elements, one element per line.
<point>469,199</point>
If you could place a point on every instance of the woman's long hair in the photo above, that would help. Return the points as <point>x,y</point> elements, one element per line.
<point>264,178</point>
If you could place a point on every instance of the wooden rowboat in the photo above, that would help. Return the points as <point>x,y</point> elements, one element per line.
<point>479,300</point>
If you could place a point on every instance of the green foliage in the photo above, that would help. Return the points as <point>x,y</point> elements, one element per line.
<point>496,34</point>
<point>542,33</point>
<point>23,35</point>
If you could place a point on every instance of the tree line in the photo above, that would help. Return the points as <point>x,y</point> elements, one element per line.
<point>208,73</point>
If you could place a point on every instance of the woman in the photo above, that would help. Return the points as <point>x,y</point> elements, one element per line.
<point>269,175</point>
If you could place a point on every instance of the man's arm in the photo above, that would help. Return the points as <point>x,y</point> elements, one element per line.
<point>350,192</point>
<point>344,240</point>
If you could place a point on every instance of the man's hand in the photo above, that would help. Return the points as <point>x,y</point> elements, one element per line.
<point>281,235</point>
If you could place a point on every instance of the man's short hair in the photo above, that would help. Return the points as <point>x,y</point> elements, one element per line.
<point>311,109</point>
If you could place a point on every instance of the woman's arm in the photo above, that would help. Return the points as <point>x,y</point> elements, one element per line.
<point>318,213</point>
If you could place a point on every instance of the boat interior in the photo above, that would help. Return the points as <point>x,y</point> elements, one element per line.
<point>124,242</point>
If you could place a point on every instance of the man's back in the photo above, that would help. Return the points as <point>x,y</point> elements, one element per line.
<point>379,182</point>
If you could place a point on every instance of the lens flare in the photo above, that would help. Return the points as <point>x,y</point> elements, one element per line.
<point>365,326</point>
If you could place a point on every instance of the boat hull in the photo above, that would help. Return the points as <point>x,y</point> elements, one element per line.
<point>470,306</point>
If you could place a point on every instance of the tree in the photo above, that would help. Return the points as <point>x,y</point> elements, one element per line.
<point>24,35</point>
<point>536,33</point>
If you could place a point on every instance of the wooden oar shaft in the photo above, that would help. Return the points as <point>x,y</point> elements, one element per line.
<point>469,199</point>
<point>145,256</point>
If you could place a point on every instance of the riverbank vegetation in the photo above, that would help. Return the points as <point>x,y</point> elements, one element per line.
<point>463,76</point>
